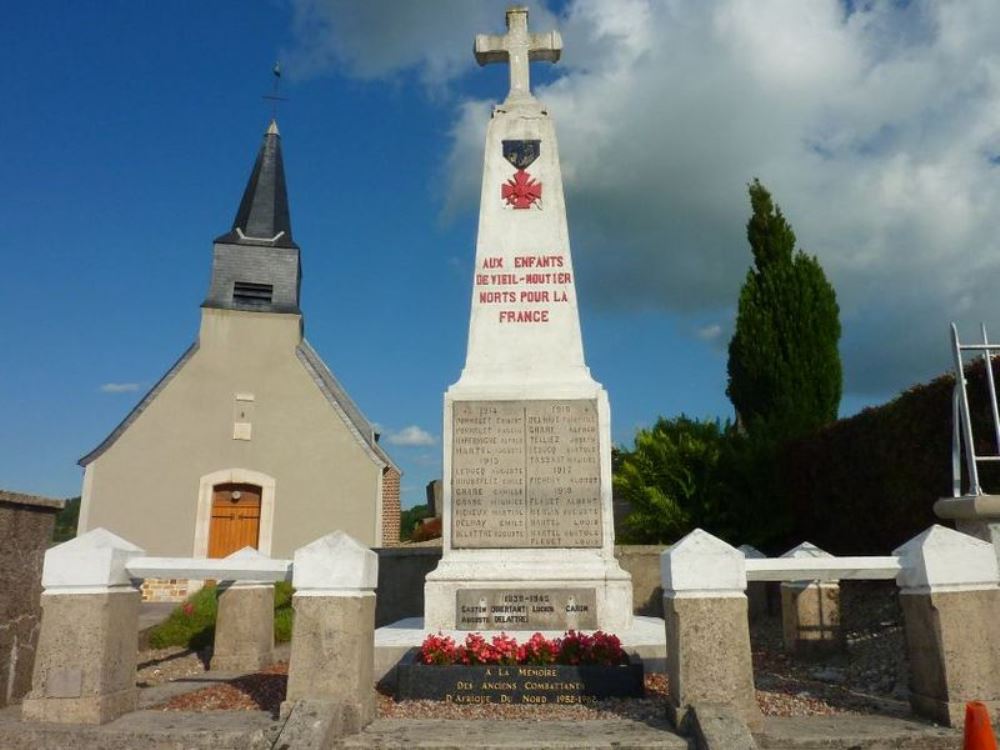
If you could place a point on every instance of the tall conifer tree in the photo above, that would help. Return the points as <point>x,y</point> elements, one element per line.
<point>784,368</point>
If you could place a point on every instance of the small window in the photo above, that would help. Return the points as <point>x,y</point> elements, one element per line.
<point>248,293</point>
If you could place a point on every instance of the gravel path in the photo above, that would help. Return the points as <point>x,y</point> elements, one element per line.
<point>869,678</point>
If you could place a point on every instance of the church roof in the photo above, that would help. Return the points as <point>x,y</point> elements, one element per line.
<point>338,397</point>
<point>263,217</point>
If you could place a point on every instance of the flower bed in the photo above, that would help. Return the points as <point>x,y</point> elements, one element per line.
<point>576,668</point>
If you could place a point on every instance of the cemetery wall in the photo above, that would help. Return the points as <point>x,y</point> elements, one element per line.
<point>401,572</point>
<point>866,484</point>
<point>26,524</point>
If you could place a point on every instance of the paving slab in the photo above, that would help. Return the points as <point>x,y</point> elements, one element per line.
<point>149,730</point>
<point>848,732</point>
<point>443,734</point>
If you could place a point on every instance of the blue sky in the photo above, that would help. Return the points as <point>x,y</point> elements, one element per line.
<point>131,129</point>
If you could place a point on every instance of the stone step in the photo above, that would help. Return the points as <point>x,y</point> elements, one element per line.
<point>496,734</point>
<point>848,732</point>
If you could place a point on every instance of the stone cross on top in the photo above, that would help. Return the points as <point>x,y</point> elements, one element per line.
<point>519,48</point>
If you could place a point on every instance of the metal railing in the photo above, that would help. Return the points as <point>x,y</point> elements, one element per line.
<point>961,417</point>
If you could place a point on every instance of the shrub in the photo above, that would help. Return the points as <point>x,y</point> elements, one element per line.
<point>671,480</point>
<point>428,529</point>
<point>192,623</point>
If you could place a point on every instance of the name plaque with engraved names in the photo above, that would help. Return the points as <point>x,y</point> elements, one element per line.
<point>525,474</point>
<point>526,609</point>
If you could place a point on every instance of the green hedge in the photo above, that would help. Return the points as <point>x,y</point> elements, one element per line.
<point>866,484</point>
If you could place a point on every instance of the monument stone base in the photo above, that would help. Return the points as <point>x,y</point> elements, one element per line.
<point>528,590</point>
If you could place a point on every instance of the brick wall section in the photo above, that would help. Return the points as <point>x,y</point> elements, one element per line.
<point>390,507</point>
<point>164,589</point>
<point>26,524</point>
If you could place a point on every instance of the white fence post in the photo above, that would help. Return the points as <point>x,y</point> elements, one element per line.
<point>244,625</point>
<point>708,632</point>
<point>333,639</point>
<point>950,596</point>
<point>86,662</point>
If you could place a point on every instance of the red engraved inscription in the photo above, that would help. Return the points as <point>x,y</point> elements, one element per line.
<point>522,190</point>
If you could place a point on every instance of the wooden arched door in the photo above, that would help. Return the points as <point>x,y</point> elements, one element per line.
<point>235,518</point>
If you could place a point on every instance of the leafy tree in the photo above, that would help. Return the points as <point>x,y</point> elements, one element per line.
<point>409,519</point>
<point>785,375</point>
<point>671,480</point>
<point>66,521</point>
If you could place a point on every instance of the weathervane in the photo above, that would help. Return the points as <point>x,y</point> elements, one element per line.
<point>274,97</point>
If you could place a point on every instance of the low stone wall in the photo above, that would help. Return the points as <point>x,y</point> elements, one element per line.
<point>401,572</point>
<point>26,524</point>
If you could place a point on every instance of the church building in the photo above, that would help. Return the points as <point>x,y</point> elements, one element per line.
<point>248,439</point>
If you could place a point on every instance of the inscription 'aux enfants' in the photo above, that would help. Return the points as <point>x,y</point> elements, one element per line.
<point>524,284</point>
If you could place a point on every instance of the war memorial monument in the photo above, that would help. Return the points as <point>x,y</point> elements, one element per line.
<point>528,533</point>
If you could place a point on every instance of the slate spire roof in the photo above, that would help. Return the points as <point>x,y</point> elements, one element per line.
<point>263,218</point>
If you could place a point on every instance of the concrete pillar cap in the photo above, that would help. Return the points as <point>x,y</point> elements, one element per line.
<point>701,565</point>
<point>807,550</point>
<point>942,559</point>
<point>336,564</point>
<point>90,563</point>
<point>751,553</point>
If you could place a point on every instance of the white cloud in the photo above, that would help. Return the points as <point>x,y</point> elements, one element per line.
<point>876,126</point>
<point>710,332</point>
<point>411,436</point>
<point>119,387</point>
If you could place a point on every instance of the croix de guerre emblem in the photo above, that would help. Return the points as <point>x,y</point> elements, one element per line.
<point>522,190</point>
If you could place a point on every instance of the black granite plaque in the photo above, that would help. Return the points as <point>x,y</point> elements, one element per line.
<point>526,474</point>
<point>558,684</point>
<point>526,609</point>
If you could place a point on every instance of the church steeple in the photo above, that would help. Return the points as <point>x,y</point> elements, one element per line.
<point>263,213</point>
<point>255,265</point>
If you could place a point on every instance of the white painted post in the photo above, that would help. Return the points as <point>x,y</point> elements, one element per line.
<point>333,639</point>
<point>756,590</point>
<point>244,625</point>
<point>810,610</point>
<point>950,596</point>
<point>708,633</point>
<point>86,662</point>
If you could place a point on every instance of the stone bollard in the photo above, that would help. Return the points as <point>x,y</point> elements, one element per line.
<point>244,626</point>
<point>85,667</point>
<point>950,596</point>
<point>756,590</point>
<point>708,633</point>
<point>333,639</point>
<point>810,611</point>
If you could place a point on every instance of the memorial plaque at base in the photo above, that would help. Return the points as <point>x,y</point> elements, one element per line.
<point>559,684</point>
<point>526,609</point>
<point>526,474</point>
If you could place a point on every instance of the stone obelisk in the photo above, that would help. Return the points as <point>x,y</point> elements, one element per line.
<point>528,530</point>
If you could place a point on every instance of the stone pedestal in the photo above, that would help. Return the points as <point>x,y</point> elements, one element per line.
<point>810,618</point>
<point>707,627</point>
<point>85,667</point>
<point>333,638</point>
<point>528,529</point>
<point>975,515</point>
<point>244,628</point>
<point>333,654</point>
<point>950,597</point>
<point>244,625</point>
<point>810,611</point>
